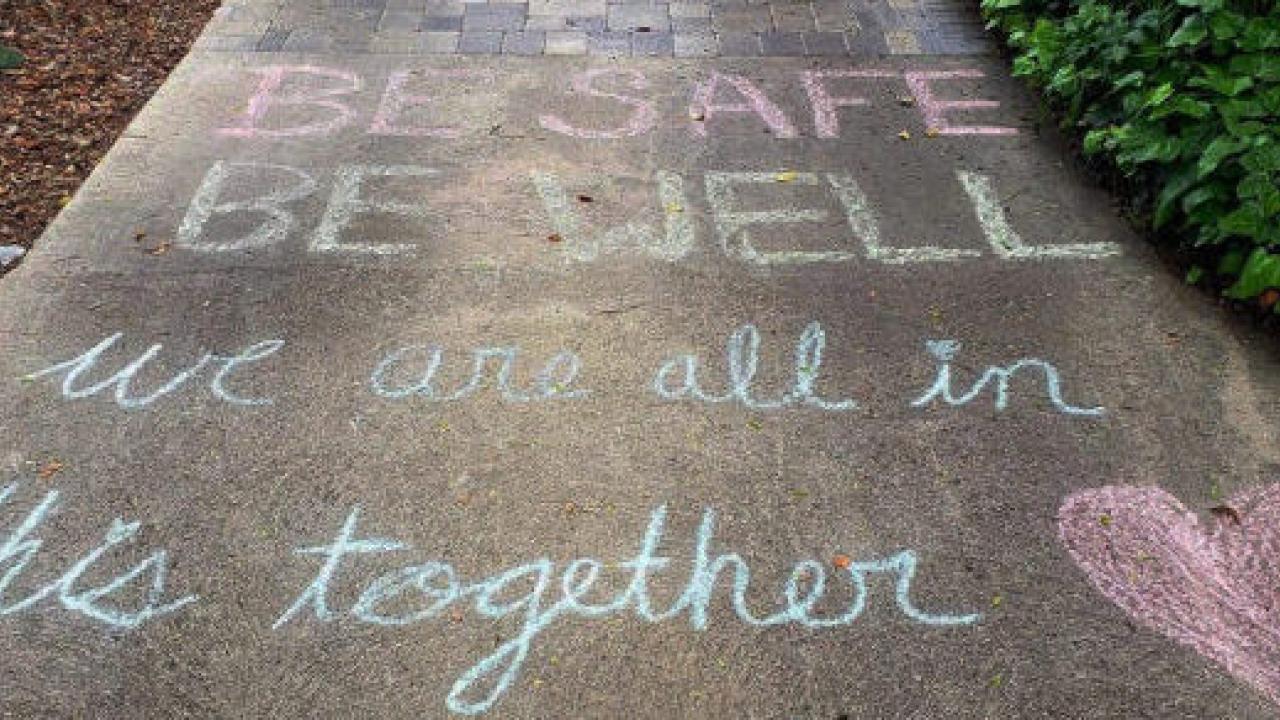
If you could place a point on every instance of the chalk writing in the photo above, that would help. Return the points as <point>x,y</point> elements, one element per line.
<point>1215,589</point>
<point>552,382</point>
<point>918,81</point>
<point>345,203</point>
<point>321,101</point>
<point>742,354</point>
<point>268,95</point>
<point>677,241</point>
<point>642,120</point>
<point>704,106</point>
<point>1001,235</point>
<point>731,223</point>
<point>674,240</point>
<point>945,351</point>
<point>438,586</point>
<point>275,227</point>
<point>826,121</point>
<point>21,544</point>
<point>72,370</point>
<point>395,101</point>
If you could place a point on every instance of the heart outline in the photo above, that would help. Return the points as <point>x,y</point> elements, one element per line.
<point>1214,589</point>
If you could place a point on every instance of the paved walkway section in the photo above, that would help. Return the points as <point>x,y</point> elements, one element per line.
<point>369,382</point>
<point>683,28</point>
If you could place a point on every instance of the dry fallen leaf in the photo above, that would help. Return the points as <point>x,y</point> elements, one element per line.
<point>904,135</point>
<point>554,237</point>
<point>160,249</point>
<point>932,132</point>
<point>49,469</point>
<point>786,176</point>
<point>842,561</point>
<point>1225,512</point>
<point>585,199</point>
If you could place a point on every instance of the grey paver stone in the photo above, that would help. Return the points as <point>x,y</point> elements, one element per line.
<point>228,43</point>
<point>792,17</point>
<point>547,23</point>
<point>689,10</point>
<point>494,16</point>
<point>741,19</point>
<point>608,43</point>
<point>654,44</point>
<point>568,8</point>
<point>833,15</point>
<point>702,44</point>
<point>309,40</point>
<point>632,17</point>
<point>825,43</point>
<point>570,42</point>
<point>272,40</point>
<point>394,43</point>
<point>782,44</point>
<point>445,9</point>
<point>523,43</point>
<point>486,42</point>
<point>439,43</point>
<point>739,44</point>
<point>689,25</point>
<point>443,23</point>
<point>400,20</point>
<point>587,24</point>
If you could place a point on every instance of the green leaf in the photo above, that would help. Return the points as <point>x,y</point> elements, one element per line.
<point>1244,221</point>
<point>1183,105</point>
<point>1172,191</point>
<point>1194,199</point>
<point>1231,262</point>
<point>1220,149</point>
<point>1195,275</point>
<point>1263,189</point>
<point>1226,25</point>
<point>1259,66</point>
<point>1158,95</point>
<point>1263,158</point>
<point>1221,82</point>
<point>1261,34</point>
<point>1192,32</point>
<point>1260,272</point>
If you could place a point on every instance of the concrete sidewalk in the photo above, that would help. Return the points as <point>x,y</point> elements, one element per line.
<point>370,376</point>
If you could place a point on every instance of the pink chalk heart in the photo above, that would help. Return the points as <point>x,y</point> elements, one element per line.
<point>1215,589</point>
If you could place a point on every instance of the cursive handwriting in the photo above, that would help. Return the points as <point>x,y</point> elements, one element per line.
<point>432,587</point>
<point>21,545</point>
<point>72,369</point>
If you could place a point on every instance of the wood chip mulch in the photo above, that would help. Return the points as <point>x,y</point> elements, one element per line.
<point>90,66</point>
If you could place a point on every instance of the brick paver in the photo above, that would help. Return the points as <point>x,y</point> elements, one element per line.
<point>685,28</point>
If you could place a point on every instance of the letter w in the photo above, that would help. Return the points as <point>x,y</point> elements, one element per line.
<point>76,367</point>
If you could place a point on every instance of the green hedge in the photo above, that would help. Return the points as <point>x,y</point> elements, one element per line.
<point>1181,99</point>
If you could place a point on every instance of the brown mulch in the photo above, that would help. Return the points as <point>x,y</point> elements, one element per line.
<point>90,66</point>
